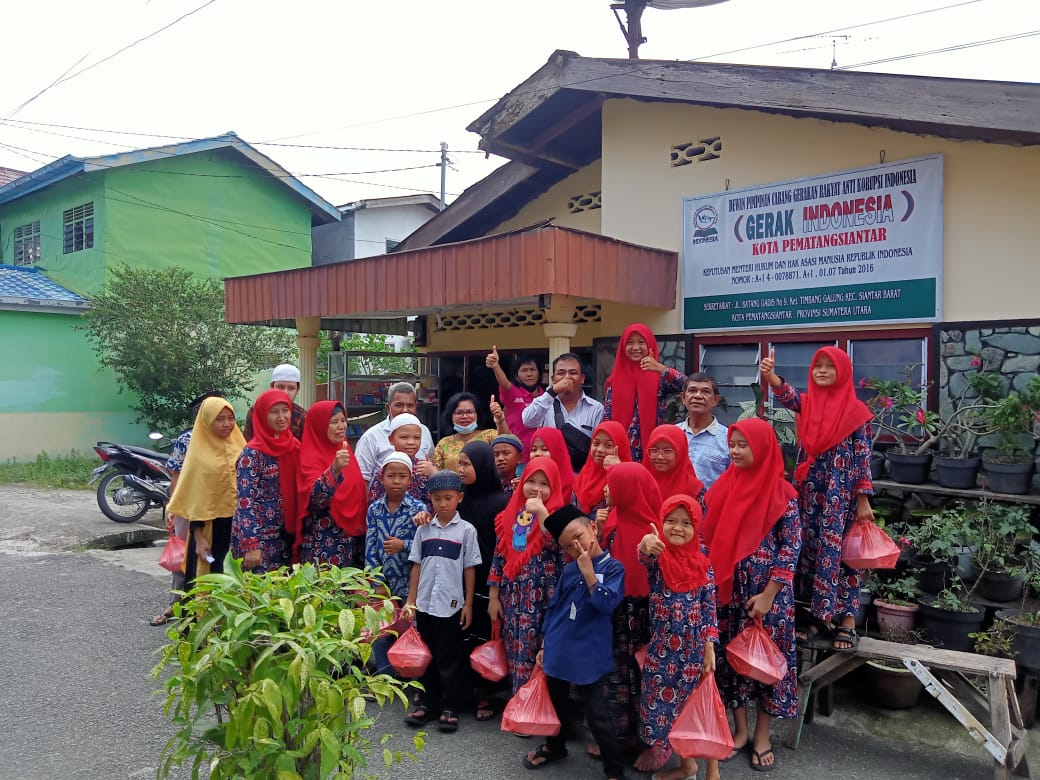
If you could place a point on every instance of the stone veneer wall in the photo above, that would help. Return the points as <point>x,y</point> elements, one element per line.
<point>1015,350</point>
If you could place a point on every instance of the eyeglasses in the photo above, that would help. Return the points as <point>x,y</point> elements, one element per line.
<point>654,452</point>
<point>465,413</point>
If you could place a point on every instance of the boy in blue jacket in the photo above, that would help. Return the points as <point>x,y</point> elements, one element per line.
<point>578,637</point>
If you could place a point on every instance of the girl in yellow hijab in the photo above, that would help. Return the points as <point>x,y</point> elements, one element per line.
<point>205,493</point>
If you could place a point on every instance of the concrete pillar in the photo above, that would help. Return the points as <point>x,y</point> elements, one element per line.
<point>559,335</point>
<point>307,340</point>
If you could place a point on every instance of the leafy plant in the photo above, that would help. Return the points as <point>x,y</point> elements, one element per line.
<point>899,410</point>
<point>163,334</point>
<point>1016,421</point>
<point>998,534</point>
<point>278,660</point>
<point>58,471</point>
<point>781,418</point>
<point>941,534</point>
<point>955,598</point>
<point>901,591</point>
<point>995,640</point>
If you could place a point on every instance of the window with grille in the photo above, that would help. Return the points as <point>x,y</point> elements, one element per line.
<point>27,244</point>
<point>78,228</point>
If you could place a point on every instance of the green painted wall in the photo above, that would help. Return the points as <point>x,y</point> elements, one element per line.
<point>210,212</point>
<point>81,271</point>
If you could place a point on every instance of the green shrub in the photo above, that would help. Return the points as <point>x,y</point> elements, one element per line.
<point>265,675</point>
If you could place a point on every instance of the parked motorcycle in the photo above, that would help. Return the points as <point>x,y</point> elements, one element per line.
<point>133,480</point>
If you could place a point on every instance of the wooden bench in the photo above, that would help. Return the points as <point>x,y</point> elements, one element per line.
<point>943,673</point>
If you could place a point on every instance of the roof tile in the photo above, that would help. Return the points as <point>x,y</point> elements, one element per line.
<point>20,282</point>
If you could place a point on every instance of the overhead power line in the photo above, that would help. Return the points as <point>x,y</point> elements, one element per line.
<point>944,49</point>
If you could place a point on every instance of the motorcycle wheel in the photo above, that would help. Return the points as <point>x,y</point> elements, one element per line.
<point>120,502</point>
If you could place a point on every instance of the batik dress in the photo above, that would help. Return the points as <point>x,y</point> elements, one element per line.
<point>774,559</point>
<point>259,521</point>
<point>672,383</point>
<point>419,489</point>
<point>827,498</point>
<point>321,538</point>
<point>381,524</point>
<point>680,625</point>
<point>525,599</point>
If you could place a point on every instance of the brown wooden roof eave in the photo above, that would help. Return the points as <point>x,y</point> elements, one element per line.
<point>489,272</point>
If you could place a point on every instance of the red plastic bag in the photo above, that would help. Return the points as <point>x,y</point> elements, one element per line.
<point>753,653</point>
<point>866,546</point>
<point>410,656</point>
<point>701,730</point>
<point>489,660</point>
<point>530,711</point>
<point>172,557</point>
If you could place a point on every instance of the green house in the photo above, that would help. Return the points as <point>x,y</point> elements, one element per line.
<point>215,206</point>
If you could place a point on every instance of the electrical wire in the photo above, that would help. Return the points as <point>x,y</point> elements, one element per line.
<point>944,49</point>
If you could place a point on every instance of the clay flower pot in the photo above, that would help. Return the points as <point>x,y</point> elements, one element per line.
<point>896,621</point>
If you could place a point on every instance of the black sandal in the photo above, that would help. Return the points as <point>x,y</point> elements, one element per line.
<point>418,716</point>
<point>543,756</point>
<point>449,722</point>
<point>847,635</point>
<point>162,619</point>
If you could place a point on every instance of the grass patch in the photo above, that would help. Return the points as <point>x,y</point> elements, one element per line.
<point>63,471</point>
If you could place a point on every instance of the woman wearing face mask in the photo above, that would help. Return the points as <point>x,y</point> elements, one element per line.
<point>460,416</point>
<point>265,529</point>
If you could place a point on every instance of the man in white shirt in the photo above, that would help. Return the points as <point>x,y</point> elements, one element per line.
<point>707,437</point>
<point>581,411</point>
<point>374,444</point>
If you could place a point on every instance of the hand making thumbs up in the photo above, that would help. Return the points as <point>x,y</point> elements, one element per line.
<point>342,459</point>
<point>767,368</point>
<point>651,544</point>
<point>492,359</point>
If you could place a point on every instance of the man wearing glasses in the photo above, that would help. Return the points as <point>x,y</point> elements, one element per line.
<point>709,446</point>
<point>578,409</point>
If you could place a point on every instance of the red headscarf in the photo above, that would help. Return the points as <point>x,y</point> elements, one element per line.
<point>745,503</point>
<point>829,414</point>
<point>349,502</point>
<point>631,385</point>
<point>536,537</point>
<point>635,505</point>
<point>588,486</point>
<point>283,446</point>
<point>684,567</point>
<point>554,441</point>
<point>682,478</point>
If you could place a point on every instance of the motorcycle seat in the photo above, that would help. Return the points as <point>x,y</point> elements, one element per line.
<point>160,456</point>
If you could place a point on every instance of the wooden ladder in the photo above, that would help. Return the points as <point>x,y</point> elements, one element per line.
<point>942,672</point>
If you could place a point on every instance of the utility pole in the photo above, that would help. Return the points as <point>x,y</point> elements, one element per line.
<point>634,32</point>
<point>444,171</point>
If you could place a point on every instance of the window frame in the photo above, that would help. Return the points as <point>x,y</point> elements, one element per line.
<point>19,243</point>
<point>84,220</point>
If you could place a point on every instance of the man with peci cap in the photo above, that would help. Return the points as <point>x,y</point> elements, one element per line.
<point>285,377</point>
<point>374,444</point>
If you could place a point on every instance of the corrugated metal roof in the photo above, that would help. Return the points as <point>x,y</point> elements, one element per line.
<point>505,269</point>
<point>27,288</point>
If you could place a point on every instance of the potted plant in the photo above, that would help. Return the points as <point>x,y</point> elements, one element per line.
<point>895,603</point>
<point>899,410</point>
<point>782,420</point>
<point>265,675</point>
<point>938,537</point>
<point>948,618</point>
<point>890,683</point>
<point>1022,626</point>
<point>1016,421</point>
<point>1000,535</point>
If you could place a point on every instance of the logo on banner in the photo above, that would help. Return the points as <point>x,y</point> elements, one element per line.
<point>704,220</point>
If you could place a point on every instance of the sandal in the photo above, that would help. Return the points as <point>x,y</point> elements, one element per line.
<point>756,760</point>
<point>418,716</point>
<point>484,710</point>
<point>449,722</point>
<point>542,756</point>
<point>162,619</point>
<point>845,635</point>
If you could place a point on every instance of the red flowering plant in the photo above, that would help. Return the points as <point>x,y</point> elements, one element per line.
<point>899,411</point>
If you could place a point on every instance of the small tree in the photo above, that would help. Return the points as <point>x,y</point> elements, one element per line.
<point>163,334</point>
<point>265,676</point>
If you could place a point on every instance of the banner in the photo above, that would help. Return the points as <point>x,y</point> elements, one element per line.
<point>851,248</point>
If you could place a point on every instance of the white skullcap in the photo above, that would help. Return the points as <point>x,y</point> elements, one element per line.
<point>400,420</point>
<point>397,457</point>
<point>286,372</point>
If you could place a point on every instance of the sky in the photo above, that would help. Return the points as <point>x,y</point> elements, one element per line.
<point>295,78</point>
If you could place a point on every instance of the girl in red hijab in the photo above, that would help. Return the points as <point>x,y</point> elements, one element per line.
<point>526,567</point>
<point>634,505</point>
<point>266,521</point>
<point>683,627</point>
<point>608,448</point>
<point>638,388</point>
<point>668,460</point>
<point>332,495</point>
<point>753,536</point>
<point>834,485</point>
<point>549,442</point>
